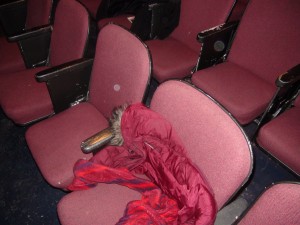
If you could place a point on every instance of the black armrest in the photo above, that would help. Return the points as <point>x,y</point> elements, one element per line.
<point>216,43</point>
<point>288,86</point>
<point>216,31</point>
<point>34,45</point>
<point>66,68</point>
<point>289,78</point>
<point>97,141</point>
<point>13,16</point>
<point>67,83</point>
<point>37,31</point>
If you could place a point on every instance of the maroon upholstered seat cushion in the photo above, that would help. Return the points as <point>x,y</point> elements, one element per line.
<point>120,20</point>
<point>104,204</point>
<point>11,59</point>
<point>240,91</point>
<point>55,142</point>
<point>18,94</point>
<point>171,58</point>
<point>281,137</point>
<point>277,205</point>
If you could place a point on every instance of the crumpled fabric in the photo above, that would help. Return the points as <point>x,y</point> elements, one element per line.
<point>151,147</point>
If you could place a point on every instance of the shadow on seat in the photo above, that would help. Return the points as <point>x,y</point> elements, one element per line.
<point>15,20</point>
<point>265,46</point>
<point>22,97</point>
<point>120,74</point>
<point>279,204</point>
<point>212,140</point>
<point>154,19</point>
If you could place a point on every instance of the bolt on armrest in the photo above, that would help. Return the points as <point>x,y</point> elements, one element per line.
<point>216,43</point>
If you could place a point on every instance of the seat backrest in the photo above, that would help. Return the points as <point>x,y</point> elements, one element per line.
<point>121,70</point>
<point>92,6</point>
<point>267,39</point>
<point>38,13</point>
<point>213,140</point>
<point>279,204</point>
<point>196,16</point>
<point>70,34</point>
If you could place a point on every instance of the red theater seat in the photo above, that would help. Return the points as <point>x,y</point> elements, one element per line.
<point>281,137</point>
<point>212,140</point>
<point>38,14</point>
<point>22,98</point>
<point>176,55</point>
<point>120,74</point>
<point>265,46</point>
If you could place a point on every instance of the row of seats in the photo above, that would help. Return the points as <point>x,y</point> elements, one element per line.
<point>121,62</point>
<point>243,84</point>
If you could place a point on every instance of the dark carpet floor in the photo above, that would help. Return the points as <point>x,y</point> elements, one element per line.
<point>25,197</point>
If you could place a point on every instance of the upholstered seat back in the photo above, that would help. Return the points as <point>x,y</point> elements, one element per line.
<point>213,140</point>
<point>70,33</point>
<point>116,77</point>
<point>267,40</point>
<point>92,6</point>
<point>38,13</point>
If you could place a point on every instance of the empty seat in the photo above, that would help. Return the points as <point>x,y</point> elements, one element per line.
<point>176,55</point>
<point>38,14</point>
<point>265,46</point>
<point>22,98</point>
<point>120,74</point>
<point>281,137</point>
<point>279,204</point>
<point>212,140</point>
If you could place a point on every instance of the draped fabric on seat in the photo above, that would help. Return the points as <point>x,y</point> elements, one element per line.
<point>265,46</point>
<point>120,74</point>
<point>213,142</point>
<point>22,98</point>
<point>38,14</point>
<point>176,55</point>
<point>279,204</point>
<point>281,137</point>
